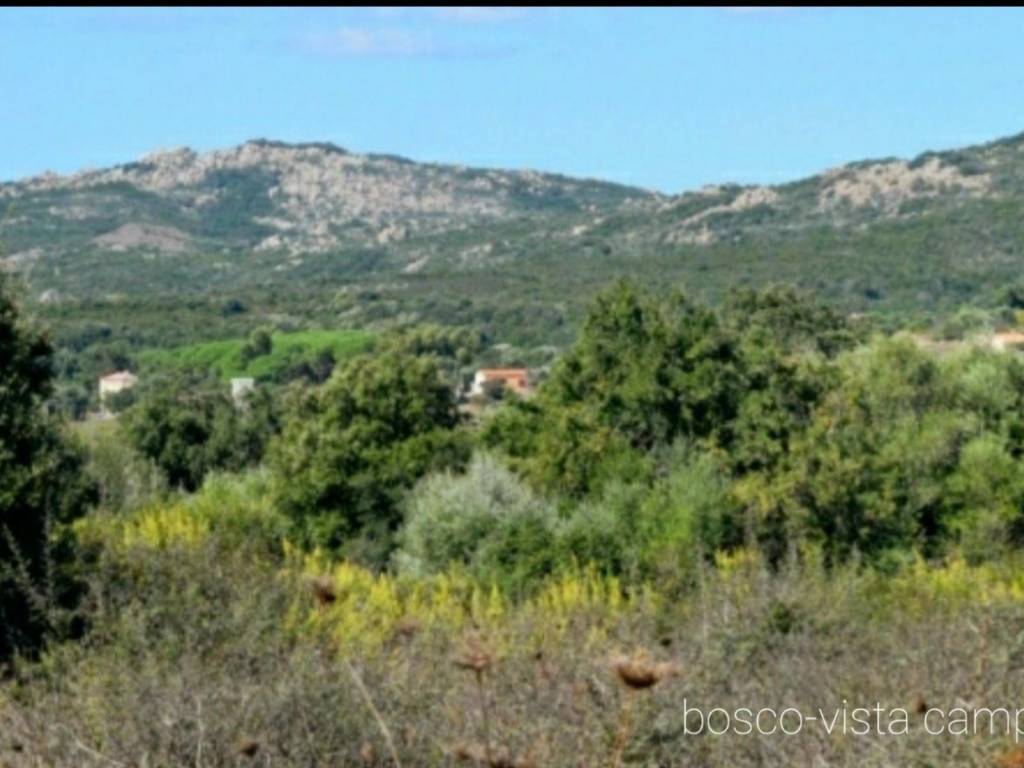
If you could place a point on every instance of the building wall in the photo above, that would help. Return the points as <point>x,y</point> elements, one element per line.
<point>517,382</point>
<point>114,386</point>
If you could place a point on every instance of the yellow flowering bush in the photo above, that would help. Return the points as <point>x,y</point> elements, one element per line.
<point>366,611</point>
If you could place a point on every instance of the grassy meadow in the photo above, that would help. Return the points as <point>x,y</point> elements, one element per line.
<point>215,643</point>
<point>226,358</point>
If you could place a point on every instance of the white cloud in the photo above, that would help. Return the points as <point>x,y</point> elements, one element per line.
<point>763,10</point>
<point>760,8</point>
<point>480,14</point>
<point>405,41</point>
<point>364,41</point>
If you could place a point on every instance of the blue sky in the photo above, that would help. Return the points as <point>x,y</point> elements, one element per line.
<point>660,98</point>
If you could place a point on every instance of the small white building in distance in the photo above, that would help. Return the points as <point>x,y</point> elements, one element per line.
<point>116,382</point>
<point>1007,340</point>
<point>515,379</point>
<point>241,387</point>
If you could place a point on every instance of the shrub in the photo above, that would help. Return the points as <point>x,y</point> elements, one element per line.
<point>486,519</point>
<point>125,479</point>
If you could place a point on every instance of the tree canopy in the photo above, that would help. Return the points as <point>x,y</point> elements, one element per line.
<point>42,486</point>
<point>349,448</point>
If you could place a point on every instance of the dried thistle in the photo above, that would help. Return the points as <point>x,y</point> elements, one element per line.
<point>1012,759</point>
<point>478,659</point>
<point>248,747</point>
<point>639,672</point>
<point>464,753</point>
<point>385,731</point>
<point>324,590</point>
<point>407,626</point>
<point>367,753</point>
<point>920,706</point>
<point>475,657</point>
<point>472,753</point>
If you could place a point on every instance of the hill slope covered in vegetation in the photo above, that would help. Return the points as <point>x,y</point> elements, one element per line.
<point>378,235</point>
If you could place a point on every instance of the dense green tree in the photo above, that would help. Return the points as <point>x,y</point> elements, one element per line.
<point>70,401</point>
<point>785,340</point>
<point>351,447</point>
<point>260,343</point>
<point>315,370</point>
<point>904,451</point>
<point>787,321</point>
<point>644,372</point>
<point>42,487</point>
<point>189,425</point>
<point>876,450</point>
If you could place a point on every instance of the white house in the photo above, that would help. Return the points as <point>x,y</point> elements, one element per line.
<point>240,387</point>
<point>116,382</point>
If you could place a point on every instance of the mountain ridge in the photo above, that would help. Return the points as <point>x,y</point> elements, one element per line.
<point>267,212</point>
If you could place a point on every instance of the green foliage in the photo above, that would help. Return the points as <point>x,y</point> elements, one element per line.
<point>648,371</point>
<point>125,480</point>
<point>658,528</point>
<point>489,522</point>
<point>686,518</point>
<point>800,439</point>
<point>786,321</point>
<point>785,341</point>
<point>120,401</point>
<point>668,436</point>
<point>42,488</point>
<point>189,425</point>
<point>70,400</point>
<point>351,447</point>
<point>486,520</point>
<point>985,496</point>
<point>891,459</point>
<point>965,323</point>
<point>263,356</point>
<point>260,343</point>
<point>643,373</point>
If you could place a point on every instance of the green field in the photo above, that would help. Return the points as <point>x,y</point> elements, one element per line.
<point>226,359</point>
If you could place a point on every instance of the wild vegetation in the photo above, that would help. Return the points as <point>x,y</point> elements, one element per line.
<point>763,503</point>
<point>263,355</point>
<point>268,235</point>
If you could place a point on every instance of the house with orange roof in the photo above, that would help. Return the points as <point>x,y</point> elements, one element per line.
<point>513,379</point>
<point>1007,340</point>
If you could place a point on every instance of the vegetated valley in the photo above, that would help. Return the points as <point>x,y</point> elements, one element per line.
<point>770,454</point>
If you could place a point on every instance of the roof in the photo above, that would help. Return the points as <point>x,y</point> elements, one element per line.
<point>120,376</point>
<point>500,373</point>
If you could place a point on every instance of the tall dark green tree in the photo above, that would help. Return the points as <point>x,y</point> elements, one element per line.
<point>350,448</point>
<point>645,372</point>
<point>42,487</point>
<point>787,341</point>
<point>189,425</point>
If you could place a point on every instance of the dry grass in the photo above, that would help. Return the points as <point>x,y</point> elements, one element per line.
<point>192,666</point>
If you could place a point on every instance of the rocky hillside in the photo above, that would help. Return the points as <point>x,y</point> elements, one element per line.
<point>269,196</point>
<point>942,228</point>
